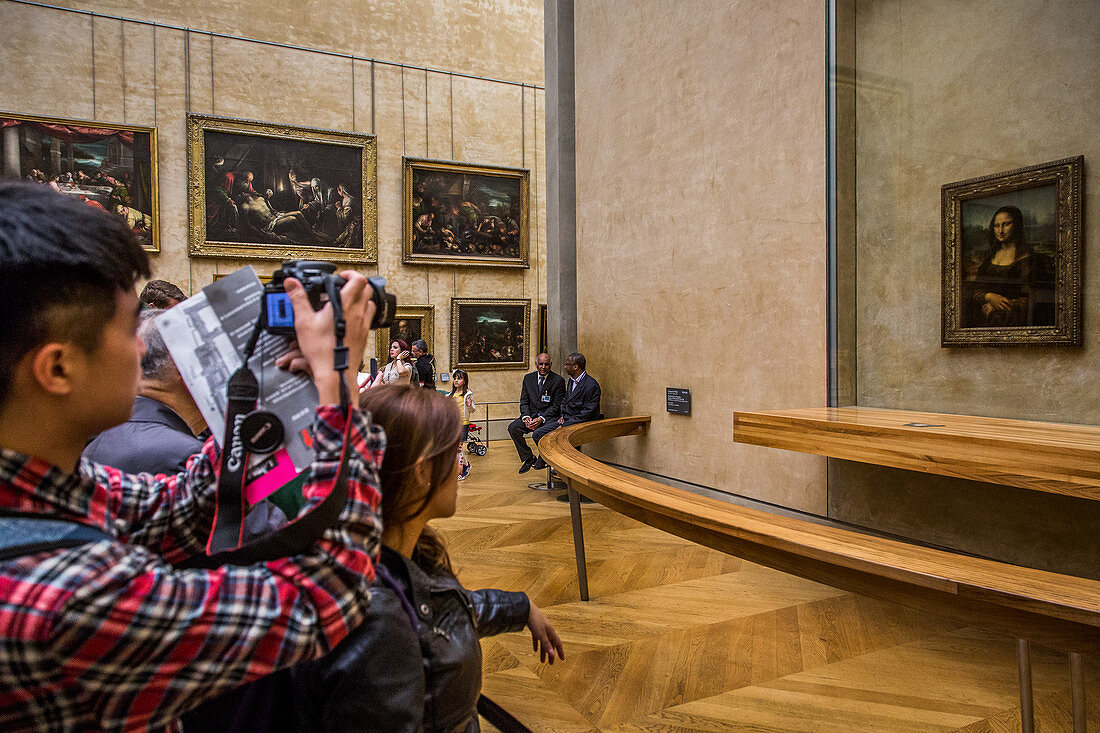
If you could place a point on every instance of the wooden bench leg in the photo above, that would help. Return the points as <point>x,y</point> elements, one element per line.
<point>1077,690</point>
<point>578,539</point>
<point>1023,661</point>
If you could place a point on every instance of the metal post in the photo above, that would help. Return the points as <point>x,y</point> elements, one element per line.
<point>1077,689</point>
<point>1027,711</point>
<point>578,539</point>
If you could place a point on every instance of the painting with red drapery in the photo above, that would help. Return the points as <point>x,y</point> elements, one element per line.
<point>105,165</point>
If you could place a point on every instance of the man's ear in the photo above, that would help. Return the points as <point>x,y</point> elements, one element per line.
<point>54,367</point>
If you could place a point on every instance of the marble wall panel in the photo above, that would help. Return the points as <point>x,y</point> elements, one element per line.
<point>57,83</point>
<point>487,37</point>
<point>281,85</point>
<point>701,232</point>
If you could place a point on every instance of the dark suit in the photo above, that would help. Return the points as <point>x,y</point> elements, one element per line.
<point>154,440</point>
<point>532,404</point>
<point>157,440</point>
<point>581,404</point>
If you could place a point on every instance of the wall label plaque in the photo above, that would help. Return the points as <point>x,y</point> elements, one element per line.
<point>678,400</point>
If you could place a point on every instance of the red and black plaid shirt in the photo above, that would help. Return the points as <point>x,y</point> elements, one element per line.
<point>109,636</point>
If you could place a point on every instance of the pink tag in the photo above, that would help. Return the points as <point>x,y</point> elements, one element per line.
<point>279,471</point>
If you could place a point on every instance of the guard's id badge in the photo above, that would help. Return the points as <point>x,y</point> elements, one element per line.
<point>546,398</point>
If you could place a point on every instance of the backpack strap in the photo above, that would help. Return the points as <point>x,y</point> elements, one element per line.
<point>23,534</point>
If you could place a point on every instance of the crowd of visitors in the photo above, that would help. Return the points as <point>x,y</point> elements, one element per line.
<point>109,620</point>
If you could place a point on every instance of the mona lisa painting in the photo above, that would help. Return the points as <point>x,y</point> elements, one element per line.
<point>1012,257</point>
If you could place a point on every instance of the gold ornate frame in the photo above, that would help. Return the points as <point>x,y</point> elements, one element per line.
<point>154,193</point>
<point>426,314</point>
<point>1066,176</point>
<point>522,175</point>
<point>199,125</point>
<point>458,303</point>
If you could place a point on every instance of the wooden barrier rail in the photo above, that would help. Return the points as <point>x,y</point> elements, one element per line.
<point>1059,611</point>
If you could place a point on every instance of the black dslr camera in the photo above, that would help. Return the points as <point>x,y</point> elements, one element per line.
<point>321,283</point>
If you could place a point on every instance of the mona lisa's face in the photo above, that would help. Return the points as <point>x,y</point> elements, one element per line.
<point>1003,227</point>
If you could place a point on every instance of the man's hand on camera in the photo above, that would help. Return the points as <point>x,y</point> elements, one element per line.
<point>316,336</point>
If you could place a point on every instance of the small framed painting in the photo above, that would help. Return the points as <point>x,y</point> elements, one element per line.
<point>490,333</point>
<point>410,322</point>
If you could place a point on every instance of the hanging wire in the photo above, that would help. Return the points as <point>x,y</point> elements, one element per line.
<point>426,155</point>
<point>187,70</point>
<point>452,100</point>
<point>212,97</point>
<point>154,76</point>
<point>93,66</point>
<point>122,32</point>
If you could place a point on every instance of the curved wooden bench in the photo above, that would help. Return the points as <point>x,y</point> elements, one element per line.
<point>1055,610</point>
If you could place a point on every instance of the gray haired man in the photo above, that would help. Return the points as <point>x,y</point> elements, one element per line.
<point>160,435</point>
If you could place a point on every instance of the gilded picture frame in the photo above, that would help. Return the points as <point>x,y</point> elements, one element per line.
<point>465,214</point>
<point>1012,257</point>
<point>490,333</point>
<point>260,190</point>
<point>410,322</point>
<point>107,165</point>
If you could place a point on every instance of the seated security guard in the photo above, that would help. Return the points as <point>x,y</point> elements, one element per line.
<point>539,403</point>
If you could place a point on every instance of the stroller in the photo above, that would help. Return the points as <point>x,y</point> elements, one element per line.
<point>474,443</point>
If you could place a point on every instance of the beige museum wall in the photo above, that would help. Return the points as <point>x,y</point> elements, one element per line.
<point>415,113</point>
<point>948,91</point>
<point>701,229</point>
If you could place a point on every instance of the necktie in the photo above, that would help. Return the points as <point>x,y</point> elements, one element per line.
<point>572,384</point>
<point>542,379</point>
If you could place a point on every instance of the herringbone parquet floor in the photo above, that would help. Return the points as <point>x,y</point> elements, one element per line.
<point>681,638</point>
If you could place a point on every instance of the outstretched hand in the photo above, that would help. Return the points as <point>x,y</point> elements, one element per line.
<point>544,639</point>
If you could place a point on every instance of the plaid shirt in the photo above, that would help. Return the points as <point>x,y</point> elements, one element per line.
<point>109,636</point>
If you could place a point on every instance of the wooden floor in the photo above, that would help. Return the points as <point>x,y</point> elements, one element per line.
<point>678,637</point>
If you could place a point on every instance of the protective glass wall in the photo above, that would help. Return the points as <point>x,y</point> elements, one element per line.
<point>928,93</point>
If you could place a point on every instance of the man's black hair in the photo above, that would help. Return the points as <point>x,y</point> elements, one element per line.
<point>61,264</point>
<point>421,345</point>
<point>577,359</point>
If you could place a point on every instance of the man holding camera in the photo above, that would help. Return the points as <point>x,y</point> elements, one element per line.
<point>98,629</point>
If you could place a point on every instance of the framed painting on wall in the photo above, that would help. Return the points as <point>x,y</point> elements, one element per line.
<point>459,213</point>
<point>1012,257</point>
<point>261,190</point>
<point>105,165</point>
<point>410,322</point>
<point>490,333</point>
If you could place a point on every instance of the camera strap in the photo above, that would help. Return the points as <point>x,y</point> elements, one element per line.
<point>224,543</point>
<point>229,513</point>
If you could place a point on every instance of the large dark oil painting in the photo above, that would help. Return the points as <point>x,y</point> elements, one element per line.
<point>260,190</point>
<point>459,213</point>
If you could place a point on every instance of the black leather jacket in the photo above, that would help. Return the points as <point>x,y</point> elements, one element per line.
<point>388,676</point>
